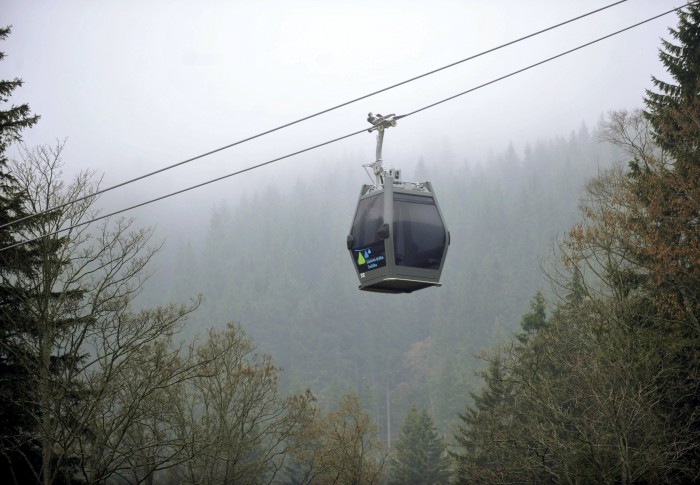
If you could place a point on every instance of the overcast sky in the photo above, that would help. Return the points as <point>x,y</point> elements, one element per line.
<point>138,85</point>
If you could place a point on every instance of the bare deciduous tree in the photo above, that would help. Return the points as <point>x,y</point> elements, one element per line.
<point>342,448</point>
<point>240,427</point>
<point>81,342</point>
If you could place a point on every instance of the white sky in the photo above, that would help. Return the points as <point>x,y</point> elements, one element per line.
<point>136,85</point>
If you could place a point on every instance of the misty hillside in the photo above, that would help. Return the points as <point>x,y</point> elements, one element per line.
<point>275,261</point>
<point>178,303</point>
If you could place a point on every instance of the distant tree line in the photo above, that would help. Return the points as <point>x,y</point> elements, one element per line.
<point>93,391</point>
<point>606,388</point>
<point>276,259</point>
<point>599,384</point>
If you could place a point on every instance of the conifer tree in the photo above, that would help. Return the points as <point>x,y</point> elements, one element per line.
<point>535,320</point>
<point>483,425</point>
<point>669,107</point>
<point>668,184</point>
<point>668,190</point>
<point>14,381</point>
<point>419,457</point>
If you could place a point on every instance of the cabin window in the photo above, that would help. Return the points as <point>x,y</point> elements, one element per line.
<point>419,233</point>
<point>368,246</point>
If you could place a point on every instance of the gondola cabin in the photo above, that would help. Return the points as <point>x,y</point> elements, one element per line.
<point>398,240</point>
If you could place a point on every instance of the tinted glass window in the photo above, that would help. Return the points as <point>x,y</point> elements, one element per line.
<point>370,215</point>
<point>368,247</point>
<point>419,234</point>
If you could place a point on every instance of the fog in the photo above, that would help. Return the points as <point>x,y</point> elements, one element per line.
<point>136,86</point>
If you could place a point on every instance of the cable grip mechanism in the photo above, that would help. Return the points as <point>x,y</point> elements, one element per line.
<point>380,123</point>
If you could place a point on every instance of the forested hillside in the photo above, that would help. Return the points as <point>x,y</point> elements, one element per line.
<point>601,386</point>
<point>562,347</point>
<point>276,262</point>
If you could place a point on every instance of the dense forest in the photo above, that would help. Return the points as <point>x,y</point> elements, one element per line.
<point>277,263</point>
<point>562,346</point>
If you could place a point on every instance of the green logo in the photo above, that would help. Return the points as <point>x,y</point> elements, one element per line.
<point>371,257</point>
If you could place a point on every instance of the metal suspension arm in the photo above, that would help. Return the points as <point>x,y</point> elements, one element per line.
<point>380,124</point>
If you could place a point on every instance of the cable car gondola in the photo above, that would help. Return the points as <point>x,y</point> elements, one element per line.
<point>398,240</point>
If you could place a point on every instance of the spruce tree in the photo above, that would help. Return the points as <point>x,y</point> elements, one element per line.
<point>535,320</point>
<point>15,383</point>
<point>483,425</point>
<point>670,105</point>
<point>419,457</point>
<point>669,190</point>
<point>13,120</point>
<point>669,228</point>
